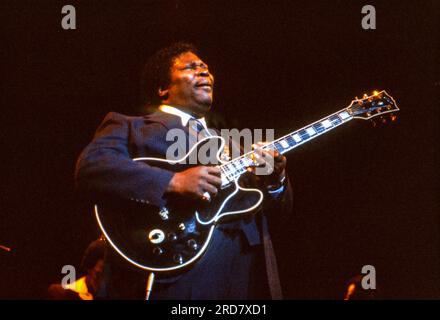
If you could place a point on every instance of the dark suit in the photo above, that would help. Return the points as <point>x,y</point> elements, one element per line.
<point>234,265</point>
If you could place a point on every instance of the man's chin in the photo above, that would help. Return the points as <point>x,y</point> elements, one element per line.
<point>204,107</point>
<point>201,111</point>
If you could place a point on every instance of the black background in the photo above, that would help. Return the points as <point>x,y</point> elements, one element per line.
<point>363,195</point>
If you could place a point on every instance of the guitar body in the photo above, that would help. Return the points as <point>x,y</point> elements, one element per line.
<point>173,237</point>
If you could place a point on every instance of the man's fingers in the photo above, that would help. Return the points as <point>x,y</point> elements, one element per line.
<point>210,188</point>
<point>265,152</point>
<point>258,155</point>
<point>214,180</point>
<point>274,153</point>
<point>277,157</point>
<point>213,171</point>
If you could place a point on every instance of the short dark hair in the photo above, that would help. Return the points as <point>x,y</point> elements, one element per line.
<point>156,72</point>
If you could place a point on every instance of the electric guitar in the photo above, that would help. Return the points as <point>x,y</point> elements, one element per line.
<point>174,237</point>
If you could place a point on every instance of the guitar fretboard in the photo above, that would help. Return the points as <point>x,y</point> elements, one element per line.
<point>233,169</point>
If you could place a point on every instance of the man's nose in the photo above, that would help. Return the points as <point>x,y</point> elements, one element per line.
<point>203,72</point>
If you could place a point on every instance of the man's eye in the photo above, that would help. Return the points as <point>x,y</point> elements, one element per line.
<point>193,67</point>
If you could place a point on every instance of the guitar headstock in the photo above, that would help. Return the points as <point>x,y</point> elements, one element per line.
<point>379,104</point>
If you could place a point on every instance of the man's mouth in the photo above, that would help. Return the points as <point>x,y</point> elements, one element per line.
<point>204,85</point>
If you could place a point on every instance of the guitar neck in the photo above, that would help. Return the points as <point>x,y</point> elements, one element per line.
<point>236,167</point>
<point>309,132</point>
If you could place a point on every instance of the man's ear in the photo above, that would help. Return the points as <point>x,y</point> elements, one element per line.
<point>163,93</point>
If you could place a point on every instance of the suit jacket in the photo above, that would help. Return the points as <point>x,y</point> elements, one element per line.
<point>105,167</point>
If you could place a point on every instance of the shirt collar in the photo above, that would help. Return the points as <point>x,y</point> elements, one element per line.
<point>184,117</point>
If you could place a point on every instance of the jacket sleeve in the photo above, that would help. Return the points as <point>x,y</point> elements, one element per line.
<point>280,208</point>
<point>105,167</point>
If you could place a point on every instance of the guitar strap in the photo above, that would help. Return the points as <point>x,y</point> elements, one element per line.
<point>271,263</point>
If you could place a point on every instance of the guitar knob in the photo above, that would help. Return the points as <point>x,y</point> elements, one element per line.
<point>156,236</point>
<point>172,236</point>
<point>192,244</point>
<point>178,258</point>
<point>157,251</point>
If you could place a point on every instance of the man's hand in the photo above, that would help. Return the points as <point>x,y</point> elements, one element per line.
<point>273,162</point>
<point>196,181</point>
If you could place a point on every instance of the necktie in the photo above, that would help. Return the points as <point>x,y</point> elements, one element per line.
<point>199,132</point>
<point>198,128</point>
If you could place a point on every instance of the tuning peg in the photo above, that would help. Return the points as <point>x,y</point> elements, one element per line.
<point>365,96</point>
<point>375,92</point>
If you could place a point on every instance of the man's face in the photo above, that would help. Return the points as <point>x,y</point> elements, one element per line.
<point>191,86</point>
